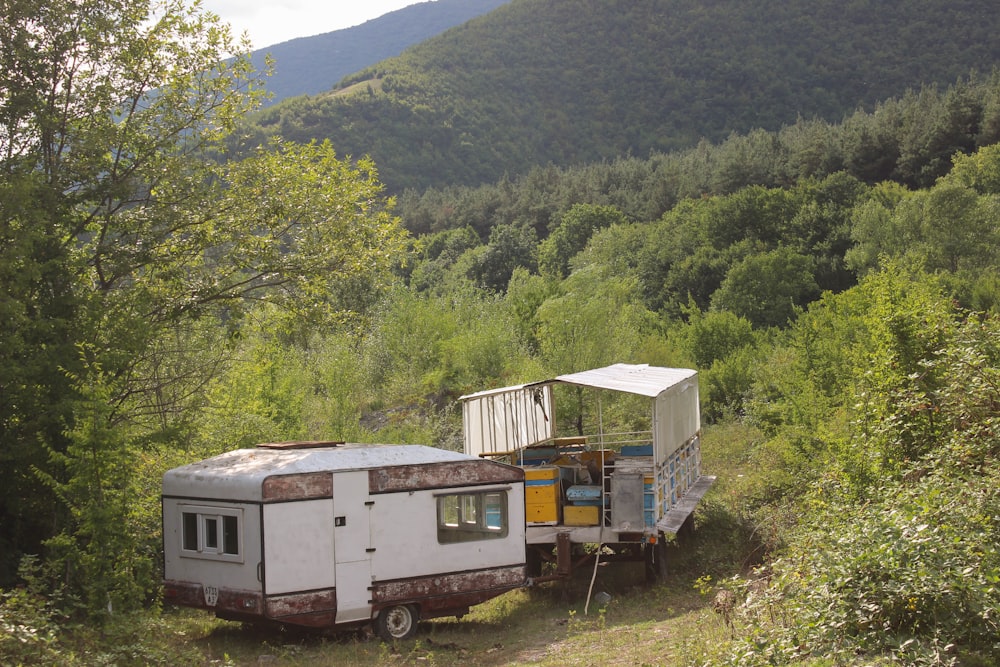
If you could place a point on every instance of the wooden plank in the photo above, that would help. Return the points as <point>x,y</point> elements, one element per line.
<point>300,444</point>
<point>678,514</point>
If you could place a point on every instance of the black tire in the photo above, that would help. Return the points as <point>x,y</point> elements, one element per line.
<point>399,622</point>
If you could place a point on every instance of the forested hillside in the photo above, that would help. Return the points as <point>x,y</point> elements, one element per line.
<point>835,283</point>
<point>576,81</point>
<point>909,140</point>
<point>311,65</point>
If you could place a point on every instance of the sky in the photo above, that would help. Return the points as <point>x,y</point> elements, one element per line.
<point>270,22</point>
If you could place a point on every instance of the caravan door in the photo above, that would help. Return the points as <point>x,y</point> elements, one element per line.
<point>353,549</point>
<point>298,547</point>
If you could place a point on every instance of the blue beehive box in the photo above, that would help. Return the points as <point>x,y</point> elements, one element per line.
<point>648,493</point>
<point>533,456</point>
<point>637,450</point>
<point>584,494</point>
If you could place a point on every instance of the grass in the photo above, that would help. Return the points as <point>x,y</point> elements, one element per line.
<point>544,626</point>
<point>374,85</point>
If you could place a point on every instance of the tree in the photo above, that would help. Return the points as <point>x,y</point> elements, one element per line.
<point>768,288</point>
<point>898,537</point>
<point>959,228</point>
<point>875,229</point>
<point>439,261</point>
<point>979,171</point>
<point>575,228</point>
<point>712,336</point>
<point>822,226</point>
<point>509,247</point>
<point>594,320</point>
<point>125,229</point>
<point>722,347</point>
<point>948,228</point>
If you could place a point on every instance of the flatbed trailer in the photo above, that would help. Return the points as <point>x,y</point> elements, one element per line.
<point>624,491</point>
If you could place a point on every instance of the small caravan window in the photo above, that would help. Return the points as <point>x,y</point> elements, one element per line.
<point>469,504</point>
<point>211,532</point>
<point>190,539</point>
<point>467,517</point>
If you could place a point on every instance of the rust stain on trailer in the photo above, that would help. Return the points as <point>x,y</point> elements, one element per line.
<point>447,585</point>
<point>440,475</point>
<point>301,486</point>
<point>320,606</point>
<point>183,593</point>
<point>243,602</point>
<point>458,604</point>
<point>230,601</point>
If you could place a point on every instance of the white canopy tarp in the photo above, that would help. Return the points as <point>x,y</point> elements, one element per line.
<point>511,418</point>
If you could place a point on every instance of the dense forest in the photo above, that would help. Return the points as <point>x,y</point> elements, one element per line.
<point>836,284</point>
<point>313,65</point>
<point>571,82</point>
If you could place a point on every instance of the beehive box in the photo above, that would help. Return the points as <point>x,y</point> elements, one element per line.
<point>581,515</point>
<point>584,494</point>
<point>541,495</point>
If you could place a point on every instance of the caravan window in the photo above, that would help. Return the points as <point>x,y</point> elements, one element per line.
<point>467,517</point>
<point>212,532</point>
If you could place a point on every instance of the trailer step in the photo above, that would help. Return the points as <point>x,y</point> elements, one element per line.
<point>678,514</point>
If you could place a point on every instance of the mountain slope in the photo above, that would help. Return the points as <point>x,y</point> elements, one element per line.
<point>575,81</point>
<point>310,65</point>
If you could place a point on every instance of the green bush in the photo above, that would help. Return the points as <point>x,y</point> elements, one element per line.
<point>901,565</point>
<point>916,579</point>
<point>28,629</point>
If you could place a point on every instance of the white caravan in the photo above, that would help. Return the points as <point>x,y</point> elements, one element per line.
<point>326,535</point>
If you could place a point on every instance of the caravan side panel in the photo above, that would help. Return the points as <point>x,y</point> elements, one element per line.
<point>407,544</point>
<point>199,563</point>
<point>205,563</point>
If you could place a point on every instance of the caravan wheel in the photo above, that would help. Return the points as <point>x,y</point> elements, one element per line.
<point>399,622</point>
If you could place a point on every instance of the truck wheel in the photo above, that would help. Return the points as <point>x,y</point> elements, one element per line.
<point>399,622</point>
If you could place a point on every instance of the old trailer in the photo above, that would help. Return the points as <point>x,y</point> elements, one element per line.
<point>597,482</point>
<point>327,535</point>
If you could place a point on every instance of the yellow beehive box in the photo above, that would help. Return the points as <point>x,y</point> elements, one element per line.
<point>544,513</point>
<point>541,494</point>
<point>541,473</point>
<point>581,515</point>
<point>541,485</point>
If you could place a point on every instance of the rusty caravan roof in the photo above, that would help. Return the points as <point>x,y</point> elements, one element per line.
<point>240,474</point>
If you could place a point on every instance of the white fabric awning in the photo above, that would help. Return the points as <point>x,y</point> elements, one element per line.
<point>640,379</point>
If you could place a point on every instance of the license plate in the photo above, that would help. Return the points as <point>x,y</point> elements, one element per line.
<point>211,595</point>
